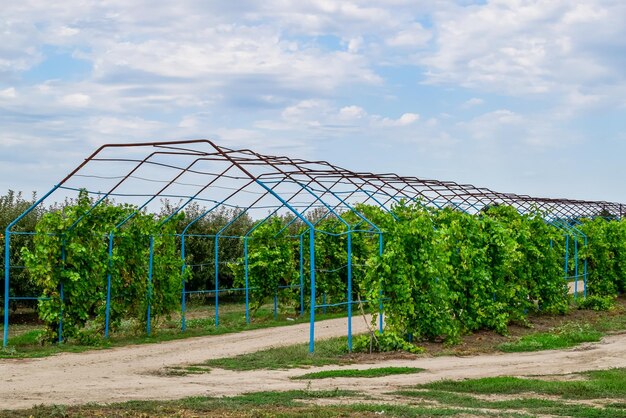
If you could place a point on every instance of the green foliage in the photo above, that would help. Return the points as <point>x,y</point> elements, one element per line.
<point>71,249</point>
<point>605,255</point>
<point>200,244</point>
<point>597,303</point>
<point>446,272</point>
<point>331,259</point>
<point>411,274</point>
<point>385,342</point>
<point>271,264</point>
<point>13,205</point>
<point>525,255</point>
<point>442,273</point>
<point>468,243</point>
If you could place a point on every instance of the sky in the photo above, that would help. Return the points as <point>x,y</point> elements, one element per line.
<point>522,96</point>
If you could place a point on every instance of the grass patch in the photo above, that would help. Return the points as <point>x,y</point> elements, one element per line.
<point>532,406</point>
<point>31,337</point>
<point>330,351</point>
<point>262,404</point>
<point>184,370</point>
<point>599,384</point>
<point>568,335</point>
<point>377,372</point>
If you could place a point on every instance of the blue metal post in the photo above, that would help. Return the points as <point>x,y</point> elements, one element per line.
<point>567,257</point>
<point>7,261</point>
<point>576,267</point>
<point>301,276</point>
<point>312,267</point>
<point>349,291</point>
<point>246,267</point>
<point>60,333</point>
<point>276,305</point>
<point>108,305</point>
<point>380,303</point>
<point>585,273</point>
<point>150,264</point>
<point>183,268</point>
<point>217,272</point>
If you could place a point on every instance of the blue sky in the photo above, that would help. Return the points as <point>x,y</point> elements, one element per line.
<point>518,96</point>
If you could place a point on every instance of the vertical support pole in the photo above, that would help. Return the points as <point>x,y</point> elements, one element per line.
<point>301,276</point>
<point>585,273</point>
<point>108,305</point>
<point>60,331</point>
<point>7,262</point>
<point>61,296</point>
<point>276,305</point>
<point>312,267</point>
<point>380,295</point>
<point>217,274</point>
<point>150,266</point>
<point>567,257</point>
<point>183,268</point>
<point>349,291</point>
<point>324,303</point>
<point>246,278</point>
<point>576,267</point>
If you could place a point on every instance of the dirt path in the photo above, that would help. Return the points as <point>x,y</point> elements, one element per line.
<point>127,373</point>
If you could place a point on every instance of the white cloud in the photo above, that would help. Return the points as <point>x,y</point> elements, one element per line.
<point>67,31</point>
<point>75,100</point>
<point>404,120</point>
<point>352,112</point>
<point>474,101</point>
<point>355,44</point>
<point>124,128</point>
<point>8,93</point>
<point>414,36</point>
<point>517,48</point>
<point>584,13</point>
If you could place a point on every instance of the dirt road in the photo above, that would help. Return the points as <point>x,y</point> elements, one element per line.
<point>126,373</point>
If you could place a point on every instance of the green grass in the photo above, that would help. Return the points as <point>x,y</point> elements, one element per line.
<point>31,337</point>
<point>566,336</point>
<point>330,351</point>
<point>377,372</point>
<point>596,385</point>
<point>185,370</point>
<point>27,343</point>
<point>261,404</point>
<point>533,406</point>
<point>612,322</point>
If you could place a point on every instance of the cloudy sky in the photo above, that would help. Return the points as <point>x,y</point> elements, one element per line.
<point>525,96</point>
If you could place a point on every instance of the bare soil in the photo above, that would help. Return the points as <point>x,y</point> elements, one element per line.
<point>136,372</point>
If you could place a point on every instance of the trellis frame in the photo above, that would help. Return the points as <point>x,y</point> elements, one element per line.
<point>277,182</point>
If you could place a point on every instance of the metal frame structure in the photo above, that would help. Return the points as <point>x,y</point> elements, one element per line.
<point>214,176</point>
